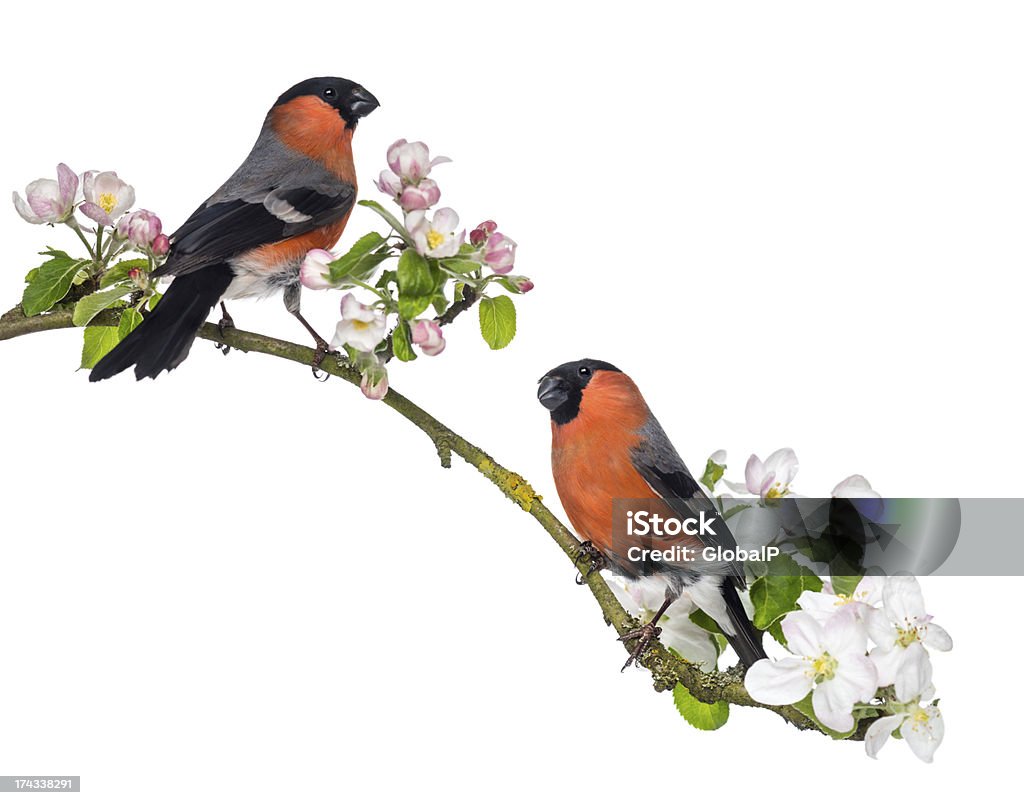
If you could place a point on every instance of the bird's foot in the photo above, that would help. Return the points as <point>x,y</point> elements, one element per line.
<point>590,554</point>
<point>225,323</point>
<point>645,635</point>
<point>323,349</point>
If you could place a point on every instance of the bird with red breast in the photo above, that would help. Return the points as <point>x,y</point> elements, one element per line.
<point>293,193</point>
<point>610,458</point>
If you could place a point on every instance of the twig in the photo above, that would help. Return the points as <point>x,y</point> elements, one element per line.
<point>666,668</point>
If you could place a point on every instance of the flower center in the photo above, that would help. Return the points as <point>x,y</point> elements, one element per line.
<point>108,201</point>
<point>904,637</point>
<point>434,238</point>
<point>824,667</point>
<point>359,325</point>
<point>776,492</point>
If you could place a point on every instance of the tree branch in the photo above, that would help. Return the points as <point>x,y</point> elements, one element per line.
<point>666,668</point>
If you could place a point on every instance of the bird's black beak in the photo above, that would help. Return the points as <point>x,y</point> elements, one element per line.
<point>552,392</point>
<point>361,102</point>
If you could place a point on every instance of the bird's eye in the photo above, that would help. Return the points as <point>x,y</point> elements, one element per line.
<point>584,371</point>
<point>330,92</point>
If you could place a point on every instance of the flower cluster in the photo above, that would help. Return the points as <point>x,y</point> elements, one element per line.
<point>108,230</point>
<point>433,254</point>
<point>100,196</point>
<point>831,660</point>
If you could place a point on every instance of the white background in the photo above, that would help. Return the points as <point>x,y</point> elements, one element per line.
<point>794,224</point>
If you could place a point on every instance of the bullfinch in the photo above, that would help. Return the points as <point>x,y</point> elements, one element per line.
<point>611,459</point>
<point>294,192</point>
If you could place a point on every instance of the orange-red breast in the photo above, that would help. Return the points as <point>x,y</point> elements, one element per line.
<point>609,457</point>
<point>294,192</point>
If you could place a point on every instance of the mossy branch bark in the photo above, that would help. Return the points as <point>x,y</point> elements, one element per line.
<point>666,668</point>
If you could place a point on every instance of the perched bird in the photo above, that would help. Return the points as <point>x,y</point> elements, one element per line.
<point>611,459</point>
<point>293,193</point>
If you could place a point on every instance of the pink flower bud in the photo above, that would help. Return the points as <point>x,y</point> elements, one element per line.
<point>477,237</point>
<point>374,382</point>
<point>522,284</point>
<point>315,270</point>
<point>139,277</point>
<point>499,253</point>
<point>489,227</point>
<point>161,245</point>
<point>420,197</point>
<point>390,184</point>
<point>411,161</point>
<point>426,334</point>
<point>140,228</point>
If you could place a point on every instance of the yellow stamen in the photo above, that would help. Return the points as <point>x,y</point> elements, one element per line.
<point>108,201</point>
<point>434,239</point>
<point>824,667</point>
<point>359,325</point>
<point>906,636</point>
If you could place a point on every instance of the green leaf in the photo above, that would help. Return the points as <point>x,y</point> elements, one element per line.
<point>98,342</point>
<point>805,707</point>
<point>130,319</point>
<point>460,266</point>
<point>154,300</point>
<point>497,321</point>
<point>776,593</point>
<point>361,260</point>
<point>401,341</point>
<point>88,306</point>
<point>705,621</point>
<point>119,271</point>
<point>50,282</point>
<point>415,284</point>
<point>440,303</point>
<point>775,630</point>
<point>697,713</point>
<point>712,474</point>
<point>845,585</point>
<point>393,222</point>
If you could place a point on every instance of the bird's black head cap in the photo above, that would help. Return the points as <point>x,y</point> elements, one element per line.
<point>352,100</point>
<point>561,389</point>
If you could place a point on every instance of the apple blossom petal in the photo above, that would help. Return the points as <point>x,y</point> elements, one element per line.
<point>887,663</point>
<point>756,526</point>
<point>881,631</point>
<point>856,486</point>
<point>869,590</point>
<point>804,635</point>
<point>439,161</point>
<point>923,731</point>
<point>754,473</point>
<point>42,195</point>
<point>856,677</point>
<point>96,213</point>
<point>821,606</point>
<point>783,465</point>
<point>845,634</point>
<point>878,733</point>
<point>934,636</point>
<point>446,220</point>
<point>782,682</point>
<point>67,180</point>
<point>903,599</point>
<point>913,673</point>
<point>24,210</point>
<point>693,643</point>
<point>831,707</point>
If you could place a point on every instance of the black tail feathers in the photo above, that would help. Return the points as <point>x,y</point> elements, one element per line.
<point>163,339</point>
<point>747,640</point>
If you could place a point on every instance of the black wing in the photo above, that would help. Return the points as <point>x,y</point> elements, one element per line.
<point>225,229</point>
<point>664,471</point>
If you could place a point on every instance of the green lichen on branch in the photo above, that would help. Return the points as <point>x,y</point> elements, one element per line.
<point>667,669</point>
